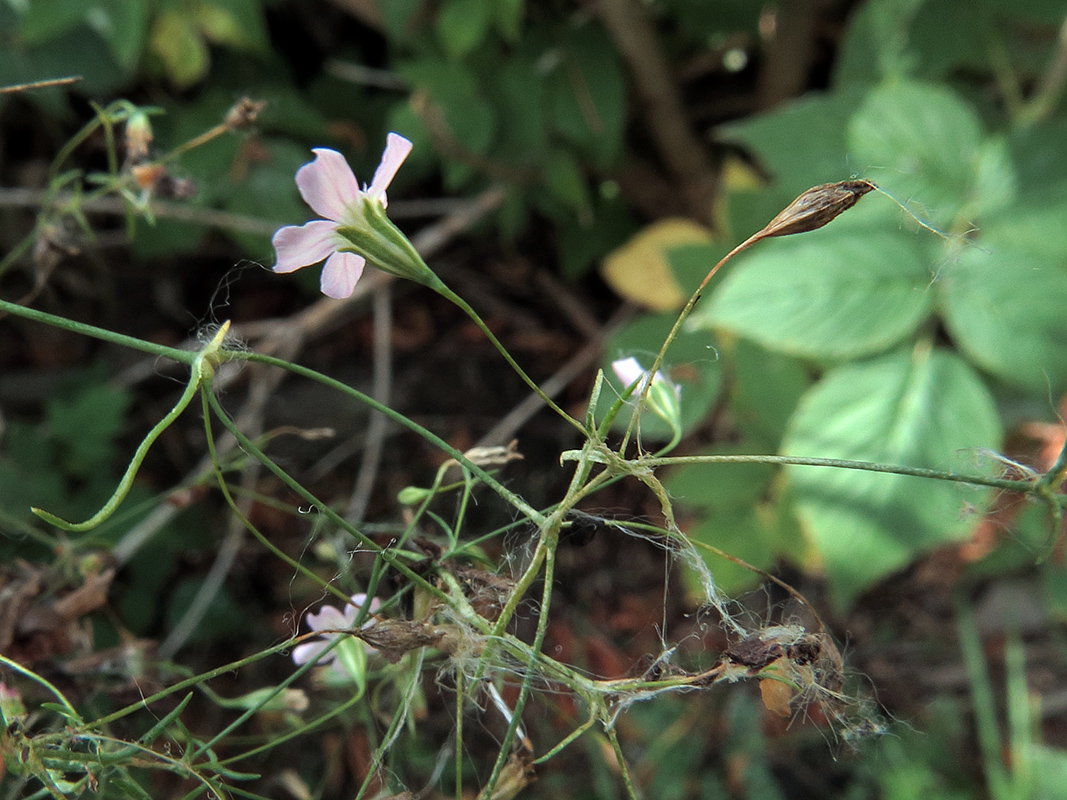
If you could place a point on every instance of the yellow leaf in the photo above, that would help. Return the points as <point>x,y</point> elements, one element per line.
<point>776,696</point>
<point>640,272</point>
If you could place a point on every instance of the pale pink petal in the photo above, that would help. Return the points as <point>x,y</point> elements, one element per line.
<point>309,651</point>
<point>627,370</point>
<point>355,603</point>
<point>327,184</point>
<point>328,618</point>
<point>396,150</point>
<point>301,245</point>
<point>340,274</point>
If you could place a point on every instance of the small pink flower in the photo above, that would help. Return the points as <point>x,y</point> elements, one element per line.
<point>629,371</point>
<point>329,186</point>
<point>331,619</point>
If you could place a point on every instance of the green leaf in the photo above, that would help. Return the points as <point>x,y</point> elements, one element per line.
<point>455,90</point>
<point>176,40</point>
<point>876,43</point>
<point>397,15</point>
<point>47,19</point>
<point>840,292</point>
<point>518,93</point>
<point>78,52</point>
<point>918,408</point>
<point>587,95</point>
<point>920,142</point>
<point>745,533</point>
<point>802,143</point>
<point>1005,309</point>
<point>507,16</point>
<point>124,26</point>
<point>236,23</point>
<point>767,388</point>
<point>720,486</point>
<point>1039,153</point>
<point>462,26</point>
<point>87,424</point>
<point>566,183</point>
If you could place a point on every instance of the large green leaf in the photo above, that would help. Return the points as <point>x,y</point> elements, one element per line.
<point>919,408</point>
<point>802,143</point>
<point>835,293</point>
<point>1005,309</point>
<point>922,143</point>
<point>587,95</point>
<point>876,43</point>
<point>462,26</point>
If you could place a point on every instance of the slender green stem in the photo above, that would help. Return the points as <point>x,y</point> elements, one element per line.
<point>279,739</point>
<point>567,740</point>
<point>329,513</point>
<point>459,735</point>
<point>631,790</point>
<point>126,483</point>
<point>247,523</point>
<point>444,291</point>
<point>202,369</point>
<point>527,681</point>
<point>985,715</point>
<point>29,673</point>
<point>520,505</point>
<point>839,463</point>
<point>183,356</point>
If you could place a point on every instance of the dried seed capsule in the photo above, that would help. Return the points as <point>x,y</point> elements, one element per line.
<point>816,207</point>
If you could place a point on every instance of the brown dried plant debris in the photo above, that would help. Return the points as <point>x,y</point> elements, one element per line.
<point>39,614</point>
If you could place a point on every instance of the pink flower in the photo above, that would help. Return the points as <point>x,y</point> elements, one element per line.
<point>629,371</point>
<point>331,619</point>
<point>328,185</point>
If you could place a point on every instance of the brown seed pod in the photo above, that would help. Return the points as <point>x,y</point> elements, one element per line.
<point>816,207</point>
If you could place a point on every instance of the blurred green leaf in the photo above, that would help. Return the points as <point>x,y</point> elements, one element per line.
<point>462,25</point>
<point>584,243</point>
<point>236,23</point>
<point>801,143</point>
<point>921,143</point>
<point>565,181</point>
<point>175,39</point>
<point>833,293</point>
<point>223,616</point>
<point>767,388</point>
<point>1048,11</point>
<point>397,15</point>
<point>518,91</point>
<point>587,95</point>
<point>918,408</point>
<point>87,423</point>
<point>719,486</point>
<point>949,35</point>
<point>1005,309</point>
<point>470,119</point>
<point>267,191</point>
<point>876,44</point>
<point>47,19</point>
<point>507,16</point>
<point>124,26</point>
<point>744,533</point>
